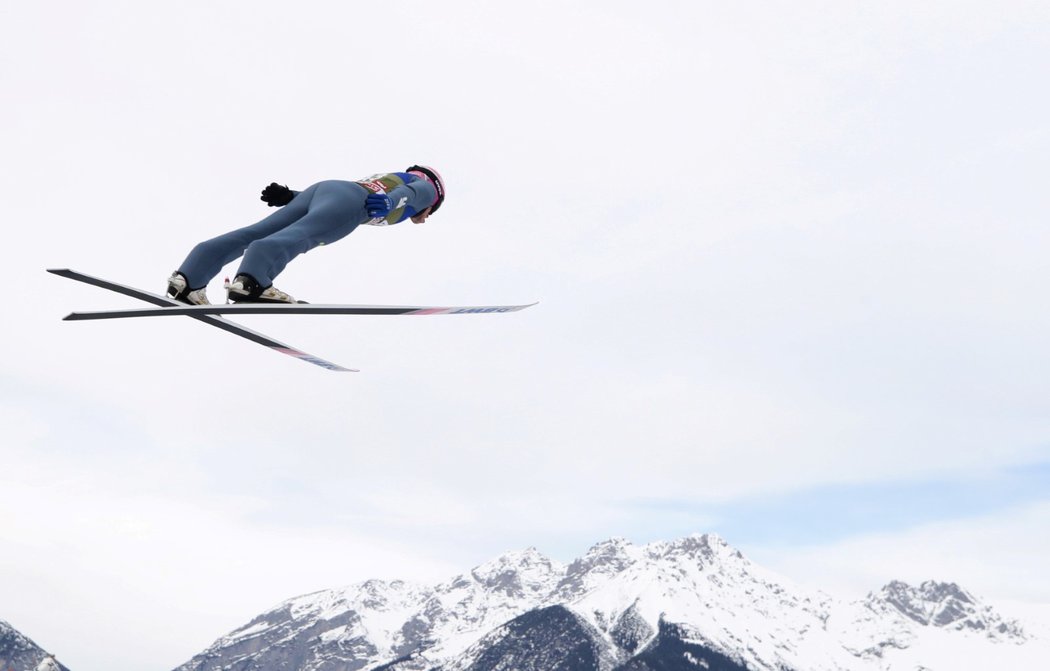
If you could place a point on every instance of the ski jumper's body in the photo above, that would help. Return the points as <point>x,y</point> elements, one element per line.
<point>319,215</point>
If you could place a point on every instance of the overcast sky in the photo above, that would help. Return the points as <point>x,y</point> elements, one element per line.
<point>790,258</point>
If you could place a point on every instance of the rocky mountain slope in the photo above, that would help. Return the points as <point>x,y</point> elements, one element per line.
<point>18,652</point>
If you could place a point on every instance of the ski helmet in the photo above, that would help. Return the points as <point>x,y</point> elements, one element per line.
<point>435,179</point>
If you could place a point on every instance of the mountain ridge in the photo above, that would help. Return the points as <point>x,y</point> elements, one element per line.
<point>619,606</point>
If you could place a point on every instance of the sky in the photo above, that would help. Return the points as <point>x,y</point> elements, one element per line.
<point>790,261</point>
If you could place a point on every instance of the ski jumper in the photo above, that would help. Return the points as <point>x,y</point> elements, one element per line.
<point>319,215</point>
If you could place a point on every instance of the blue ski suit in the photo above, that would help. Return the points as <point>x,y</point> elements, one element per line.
<point>318,215</point>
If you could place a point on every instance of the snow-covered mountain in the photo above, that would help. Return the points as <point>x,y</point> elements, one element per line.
<point>695,603</point>
<point>18,652</point>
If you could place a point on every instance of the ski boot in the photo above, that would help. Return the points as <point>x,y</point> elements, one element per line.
<point>179,290</point>
<point>244,289</point>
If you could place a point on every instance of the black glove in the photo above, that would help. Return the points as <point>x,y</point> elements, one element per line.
<point>277,195</point>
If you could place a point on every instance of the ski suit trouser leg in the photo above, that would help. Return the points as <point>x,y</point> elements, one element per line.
<point>319,215</point>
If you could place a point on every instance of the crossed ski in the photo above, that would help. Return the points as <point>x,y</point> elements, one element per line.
<point>212,314</point>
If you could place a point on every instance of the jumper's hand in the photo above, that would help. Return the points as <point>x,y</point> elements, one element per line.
<point>277,195</point>
<point>378,205</point>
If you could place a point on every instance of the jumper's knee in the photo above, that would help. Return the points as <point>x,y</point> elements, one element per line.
<point>210,248</point>
<point>265,249</point>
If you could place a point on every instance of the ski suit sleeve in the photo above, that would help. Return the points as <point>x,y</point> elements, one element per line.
<point>417,196</point>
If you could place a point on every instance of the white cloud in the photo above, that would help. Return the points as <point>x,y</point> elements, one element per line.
<point>1000,557</point>
<point>82,539</point>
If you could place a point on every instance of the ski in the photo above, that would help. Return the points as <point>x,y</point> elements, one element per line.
<point>210,319</point>
<point>291,308</point>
